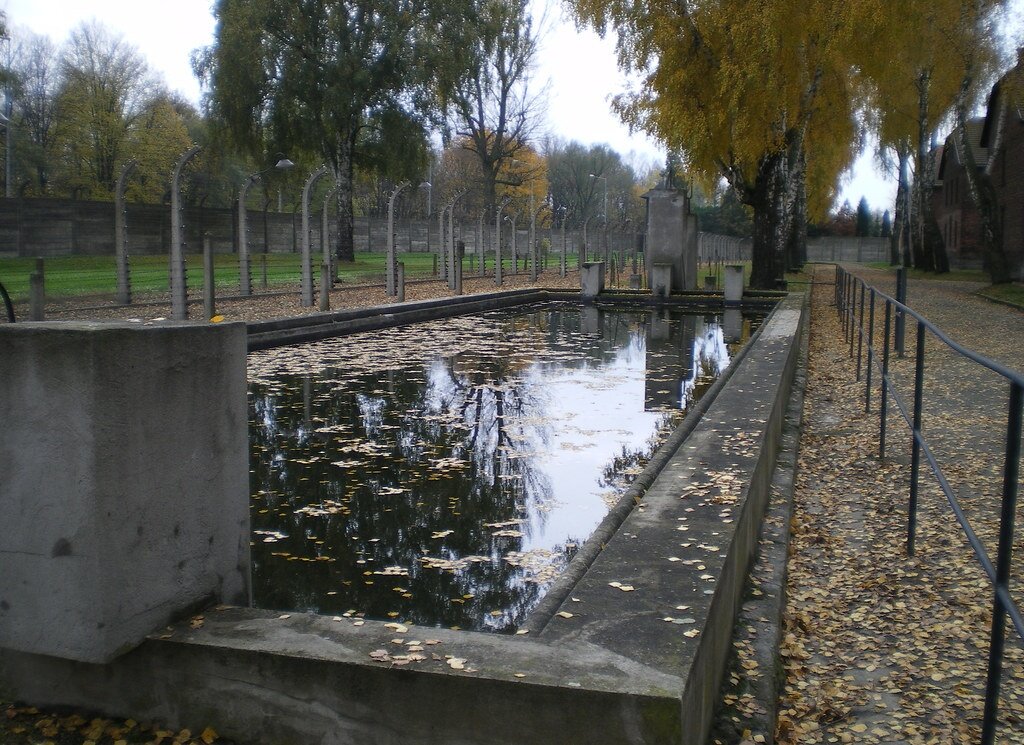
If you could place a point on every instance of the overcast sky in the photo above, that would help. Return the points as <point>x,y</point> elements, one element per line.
<point>579,67</point>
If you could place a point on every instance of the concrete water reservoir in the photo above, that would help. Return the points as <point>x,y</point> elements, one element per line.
<point>631,652</point>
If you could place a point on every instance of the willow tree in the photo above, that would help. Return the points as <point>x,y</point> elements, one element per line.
<point>761,93</point>
<point>344,81</point>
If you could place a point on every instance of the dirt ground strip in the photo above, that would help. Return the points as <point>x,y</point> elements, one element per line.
<point>280,305</point>
<point>880,646</point>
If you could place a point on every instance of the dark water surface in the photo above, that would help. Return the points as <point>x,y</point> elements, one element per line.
<point>444,473</point>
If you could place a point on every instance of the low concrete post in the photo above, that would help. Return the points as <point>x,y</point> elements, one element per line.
<point>124,283</point>
<point>325,285</point>
<point>592,278</point>
<point>37,293</point>
<point>401,281</point>
<point>209,289</point>
<point>122,509</point>
<point>733,284</point>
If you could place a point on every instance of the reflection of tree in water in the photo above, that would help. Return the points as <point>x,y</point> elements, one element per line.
<point>420,454</point>
<point>398,489</point>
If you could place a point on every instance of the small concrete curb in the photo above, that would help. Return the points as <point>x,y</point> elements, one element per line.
<point>759,624</point>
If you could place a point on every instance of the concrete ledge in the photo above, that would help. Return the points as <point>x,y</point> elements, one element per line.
<point>267,334</point>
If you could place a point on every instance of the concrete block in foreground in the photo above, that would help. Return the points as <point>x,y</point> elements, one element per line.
<point>125,481</point>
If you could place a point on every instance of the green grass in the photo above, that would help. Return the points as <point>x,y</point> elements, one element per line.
<point>1011,292</point>
<point>79,276</point>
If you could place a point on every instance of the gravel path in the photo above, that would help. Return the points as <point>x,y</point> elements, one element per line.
<point>879,646</point>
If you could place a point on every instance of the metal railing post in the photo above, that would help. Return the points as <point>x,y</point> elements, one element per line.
<point>1003,557</point>
<point>883,407</point>
<point>871,353</point>
<point>860,331</point>
<point>915,451</point>
<point>853,312</point>
<point>901,318</point>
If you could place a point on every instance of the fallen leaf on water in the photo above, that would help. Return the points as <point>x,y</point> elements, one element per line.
<point>564,614</point>
<point>456,663</point>
<point>209,735</point>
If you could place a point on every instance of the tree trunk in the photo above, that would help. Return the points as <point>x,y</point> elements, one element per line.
<point>797,243</point>
<point>767,202</point>
<point>899,223</point>
<point>346,250</point>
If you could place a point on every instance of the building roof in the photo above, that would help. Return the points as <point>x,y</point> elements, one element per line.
<point>953,149</point>
<point>1010,87</point>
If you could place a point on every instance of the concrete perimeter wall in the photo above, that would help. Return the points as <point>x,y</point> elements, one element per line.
<point>124,488</point>
<point>60,227</point>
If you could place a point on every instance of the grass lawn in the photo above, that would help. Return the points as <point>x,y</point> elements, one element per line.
<point>70,276</point>
<point>1010,292</point>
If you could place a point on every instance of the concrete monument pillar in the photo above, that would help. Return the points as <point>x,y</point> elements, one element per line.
<point>671,237</point>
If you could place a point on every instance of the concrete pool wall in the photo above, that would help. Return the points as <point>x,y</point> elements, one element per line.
<point>634,653</point>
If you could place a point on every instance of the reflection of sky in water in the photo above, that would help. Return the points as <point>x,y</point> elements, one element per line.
<point>468,457</point>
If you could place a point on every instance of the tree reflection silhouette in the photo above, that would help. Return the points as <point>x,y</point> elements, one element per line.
<point>381,475</point>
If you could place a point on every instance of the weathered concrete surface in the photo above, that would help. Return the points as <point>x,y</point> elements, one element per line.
<point>125,481</point>
<point>260,676</point>
<point>592,278</point>
<point>686,548</point>
<point>671,237</point>
<point>266,334</point>
<point>612,672</point>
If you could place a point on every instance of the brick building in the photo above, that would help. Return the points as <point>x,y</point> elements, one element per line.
<point>954,210</point>
<point>957,216</point>
<point>1007,167</point>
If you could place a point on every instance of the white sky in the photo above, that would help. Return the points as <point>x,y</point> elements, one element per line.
<point>579,66</point>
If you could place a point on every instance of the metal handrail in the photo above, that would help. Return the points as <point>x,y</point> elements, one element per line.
<point>847,286</point>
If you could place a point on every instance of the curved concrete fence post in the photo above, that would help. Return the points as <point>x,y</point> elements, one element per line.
<point>244,270</point>
<point>481,253</point>
<point>453,255</point>
<point>497,240</point>
<point>307,254</point>
<point>123,508</point>
<point>124,283</point>
<point>392,255</point>
<point>179,285</point>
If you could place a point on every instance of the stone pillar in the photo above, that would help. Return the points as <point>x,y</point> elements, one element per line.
<point>592,278</point>
<point>661,279</point>
<point>671,237</point>
<point>733,284</point>
<point>126,500</point>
